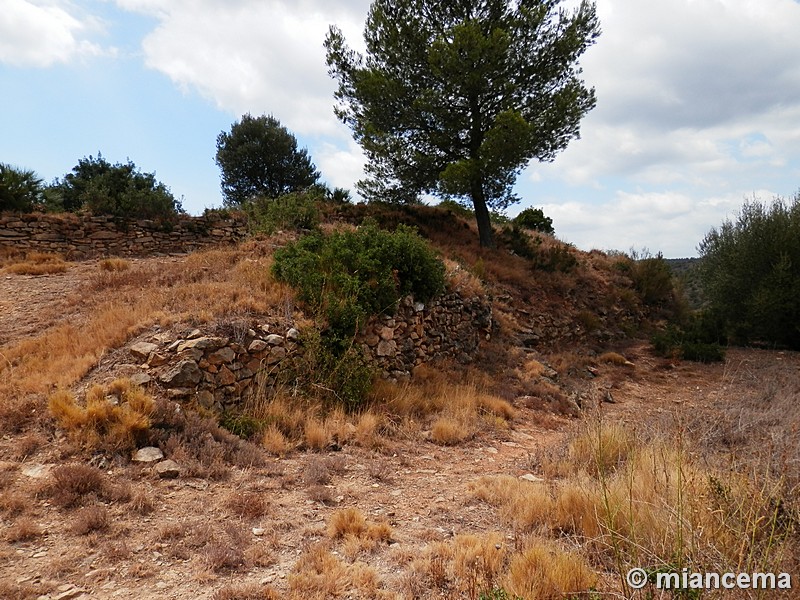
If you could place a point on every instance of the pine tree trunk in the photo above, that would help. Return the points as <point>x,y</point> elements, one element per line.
<point>485,233</point>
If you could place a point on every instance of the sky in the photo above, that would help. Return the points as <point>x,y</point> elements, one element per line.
<point>698,104</point>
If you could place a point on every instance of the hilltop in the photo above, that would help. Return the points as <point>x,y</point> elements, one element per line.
<point>498,470</point>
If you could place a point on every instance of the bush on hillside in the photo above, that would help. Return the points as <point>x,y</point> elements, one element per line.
<point>121,191</point>
<point>347,276</point>
<point>534,218</point>
<point>751,273</point>
<point>555,258</point>
<point>293,211</point>
<point>20,190</point>
<point>344,278</point>
<point>654,283</point>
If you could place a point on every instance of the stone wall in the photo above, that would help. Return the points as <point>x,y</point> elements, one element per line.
<point>450,327</point>
<point>219,371</point>
<point>78,237</point>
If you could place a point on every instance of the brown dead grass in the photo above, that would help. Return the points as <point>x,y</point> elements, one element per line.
<point>206,285</point>
<point>103,423</point>
<point>36,263</point>
<point>114,264</point>
<point>23,529</point>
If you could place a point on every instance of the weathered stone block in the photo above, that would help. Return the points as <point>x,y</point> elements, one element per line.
<point>185,373</point>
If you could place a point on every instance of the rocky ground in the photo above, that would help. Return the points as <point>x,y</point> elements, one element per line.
<point>161,543</point>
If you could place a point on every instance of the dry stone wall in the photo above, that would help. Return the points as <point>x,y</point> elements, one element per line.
<point>78,237</point>
<point>449,327</point>
<point>219,372</point>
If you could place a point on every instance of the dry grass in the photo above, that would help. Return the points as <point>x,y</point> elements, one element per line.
<point>316,434</point>
<point>348,521</point>
<point>37,263</point>
<point>71,484</point>
<point>316,472</point>
<point>319,575</point>
<point>524,504</point>
<point>247,505</point>
<point>13,503</point>
<point>614,358</point>
<point>247,591</point>
<point>274,442</point>
<point>545,571</point>
<point>630,503</point>
<point>205,285</point>
<point>448,431</point>
<point>455,412</point>
<point>103,423</point>
<point>24,529</point>
<point>89,519</point>
<point>367,430</point>
<point>114,264</point>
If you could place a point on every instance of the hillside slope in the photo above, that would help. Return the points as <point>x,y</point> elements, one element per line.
<point>468,480</point>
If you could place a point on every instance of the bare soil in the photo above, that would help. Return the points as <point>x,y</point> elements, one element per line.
<point>419,488</point>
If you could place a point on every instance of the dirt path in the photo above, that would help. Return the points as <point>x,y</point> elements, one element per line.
<point>30,303</point>
<point>419,488</point>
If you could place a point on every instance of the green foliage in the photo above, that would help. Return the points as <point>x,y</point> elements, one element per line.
<point>349,275</point>
<point>334,372</point>
<point>344,278</point>
<point>534,218</point>
<point>20,190</point>
<point>751,273</point>
<point>519,241</point>
<point>293,211</point>
<point>550,259</point>
<point>120,190</point>
<point>260,158</point>
<point>241,424</point>
<point>454,99</point>
<point>695,340</point>
<point>654,283</point>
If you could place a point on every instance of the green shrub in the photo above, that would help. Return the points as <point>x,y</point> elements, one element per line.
<point>557,258</point>
<point>554,258</point>
<point>692,342</point>
<point>20,190</point>
<point>751,273</point>
<point>293,211</point>
<point>344,278</point>
<point>652,279</point>
<point>241,424</point>
<point>349,275</point>
<point>120,191</point>
<point>519,241</point>
<point>335,374</point>
<point>534,218</point>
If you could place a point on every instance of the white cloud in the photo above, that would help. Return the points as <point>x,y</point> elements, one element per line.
<point>672,223</point>
<point>340,167</point>
<point>257,56</point>
<point>680,83</point>
<point>42,33</point>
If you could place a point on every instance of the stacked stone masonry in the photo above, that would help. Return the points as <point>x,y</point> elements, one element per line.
<point>78,237</point>
<point>219,373</point>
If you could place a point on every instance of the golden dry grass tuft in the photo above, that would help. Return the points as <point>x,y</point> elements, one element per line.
<point>614,358</point>
<point>316,434</point>
<point>37,263</point>
<point>111,418</point>
<point>630,503</point>
<point>274,441</point>
<point>348,521</point>
<point>545,571</point>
